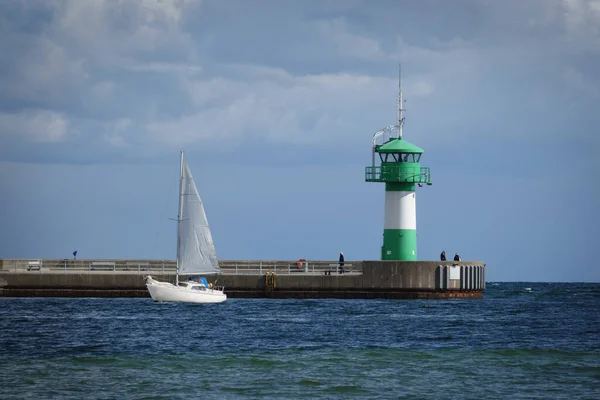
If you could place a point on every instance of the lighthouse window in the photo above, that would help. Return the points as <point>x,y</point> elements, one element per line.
<point>410,157</point>
<point>401,157</point>
<point>384,157</point>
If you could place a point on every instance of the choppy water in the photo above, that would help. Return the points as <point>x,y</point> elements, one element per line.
<point>524,340</point>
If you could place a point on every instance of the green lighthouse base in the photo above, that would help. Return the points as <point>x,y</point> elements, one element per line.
<point>399,245</point>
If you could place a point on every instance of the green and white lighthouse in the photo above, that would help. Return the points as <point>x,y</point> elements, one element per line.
<point>400,170</point>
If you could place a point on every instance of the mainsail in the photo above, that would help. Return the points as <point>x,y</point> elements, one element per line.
<point>196,251</point>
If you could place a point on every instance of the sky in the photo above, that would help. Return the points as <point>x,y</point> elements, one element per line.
<point>276,103</point>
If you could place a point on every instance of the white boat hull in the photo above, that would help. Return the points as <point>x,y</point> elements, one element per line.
<point>167,292</point>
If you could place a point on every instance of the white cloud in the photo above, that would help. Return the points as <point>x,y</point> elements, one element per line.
<point>582,17</point>
<point>309,109</point>
<point>422,88</point>
<point>110,33</point>
<point>35,126</point>
<point>43,73</point>
<point>578,81</point>
<point>162,67</point>
<point>114,132</point>
<point>345,43</point>
<point>68,61</point>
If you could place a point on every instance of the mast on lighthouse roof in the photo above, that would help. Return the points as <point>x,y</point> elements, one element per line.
<point>400,102</point>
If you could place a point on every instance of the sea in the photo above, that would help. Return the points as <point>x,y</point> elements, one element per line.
<point>521,341</point>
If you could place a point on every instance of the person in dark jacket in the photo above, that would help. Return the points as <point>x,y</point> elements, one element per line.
<point>341,262</point>
<point>443,255</point>
<point>456,257</point>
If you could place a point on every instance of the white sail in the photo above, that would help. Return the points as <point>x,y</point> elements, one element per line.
<point>196,251</point>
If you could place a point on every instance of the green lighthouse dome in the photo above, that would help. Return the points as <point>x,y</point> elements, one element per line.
<point>398,145</point>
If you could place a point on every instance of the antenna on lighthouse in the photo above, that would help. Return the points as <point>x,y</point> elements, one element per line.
<point>400,101</point>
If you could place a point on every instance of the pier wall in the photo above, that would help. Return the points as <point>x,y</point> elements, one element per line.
<point>363,279</point>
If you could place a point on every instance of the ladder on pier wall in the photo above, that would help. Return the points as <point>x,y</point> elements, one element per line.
<point>270,282</point>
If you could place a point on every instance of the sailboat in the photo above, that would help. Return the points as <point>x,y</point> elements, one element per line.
<point>196,254</point>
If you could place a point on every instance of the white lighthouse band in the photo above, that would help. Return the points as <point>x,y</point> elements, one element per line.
<point>400,210</point>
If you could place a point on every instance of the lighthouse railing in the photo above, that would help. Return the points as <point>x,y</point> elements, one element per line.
<point>393,173</point>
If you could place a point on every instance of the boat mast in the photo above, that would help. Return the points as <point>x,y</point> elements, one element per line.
<point>179,215</point>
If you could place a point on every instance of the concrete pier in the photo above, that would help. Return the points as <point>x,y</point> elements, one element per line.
<point>249,279</point>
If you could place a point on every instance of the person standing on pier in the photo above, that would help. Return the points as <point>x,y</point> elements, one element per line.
<point>341,262</point>
<point>443,255</point>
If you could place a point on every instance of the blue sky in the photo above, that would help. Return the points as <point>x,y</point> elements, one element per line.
<point>275,103</point>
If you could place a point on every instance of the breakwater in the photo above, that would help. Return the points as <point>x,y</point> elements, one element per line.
<point>249,278</point>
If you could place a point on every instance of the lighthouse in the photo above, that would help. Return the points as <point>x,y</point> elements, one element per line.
<point>400,169</point>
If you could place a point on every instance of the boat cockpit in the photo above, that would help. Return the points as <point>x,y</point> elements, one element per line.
<point>193,285</point>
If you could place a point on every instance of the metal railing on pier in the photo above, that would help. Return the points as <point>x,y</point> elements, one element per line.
<point>290,268</point>
<point>169,267</point>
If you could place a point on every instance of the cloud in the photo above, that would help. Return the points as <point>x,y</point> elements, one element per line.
<point>345,43</point>
<point>577,80</point>
<point>176,68</point>
<point>114,132</point>
<point>35,126</point>
<point>321,75</point>
<point>582,21</point>
<point>108,33</point>
<point>55,52</point>
<point>312,109</point>
<point>39,73</point>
